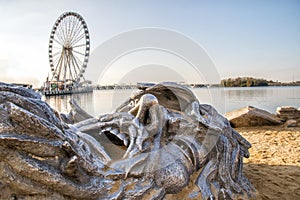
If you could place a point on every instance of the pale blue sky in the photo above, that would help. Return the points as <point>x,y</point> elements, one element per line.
<point>243,38</point>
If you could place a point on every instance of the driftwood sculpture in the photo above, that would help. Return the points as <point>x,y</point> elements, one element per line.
<point>156,144</point>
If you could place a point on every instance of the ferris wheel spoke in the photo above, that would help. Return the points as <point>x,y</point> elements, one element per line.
<point>57,41</point>
<point>60,67</point>
<point>74,25</point>
<point>67,31</point>
<point>69,75</point>
<point>70,29</point>
<point>78,39</point>
<point>72,67</point>
<point>59,35</point>
<point>66,28</point>
<point>55,62</point>
<point>76,65</point>
<point>57,67</point>
<point>62,30</point>
<point>63,68</point>
<point>80,45</point>
<point>79,29</point>
<point>78,61</point>
<point>75,32</point>
<point>78,52</point>
<point>56,54</point>
<point>58,48</point>
<point>69,68</point>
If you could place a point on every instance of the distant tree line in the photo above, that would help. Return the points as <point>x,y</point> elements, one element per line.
<point>244,82</point>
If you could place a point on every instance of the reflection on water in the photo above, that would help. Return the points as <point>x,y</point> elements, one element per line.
<point>224,99</point>
<point>267,98</point>
<point>61,103</point>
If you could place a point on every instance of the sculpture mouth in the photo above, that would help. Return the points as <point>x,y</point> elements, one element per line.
<point>115,139</point>
<point>113,146</point>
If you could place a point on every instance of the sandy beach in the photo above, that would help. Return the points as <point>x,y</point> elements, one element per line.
<point>274,164</point>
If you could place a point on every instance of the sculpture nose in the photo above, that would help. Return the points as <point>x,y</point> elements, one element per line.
<point>141,109</point>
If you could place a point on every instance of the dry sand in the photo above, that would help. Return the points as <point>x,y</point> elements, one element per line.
<point>274,164</point>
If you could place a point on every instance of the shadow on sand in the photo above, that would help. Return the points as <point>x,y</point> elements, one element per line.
<point>274,181</point>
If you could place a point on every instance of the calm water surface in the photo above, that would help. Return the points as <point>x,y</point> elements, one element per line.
<point>223,99</point>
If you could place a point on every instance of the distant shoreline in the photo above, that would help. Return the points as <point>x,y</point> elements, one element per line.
<point>193,86</point>
<point>112,87</point>
<point>254,82</point>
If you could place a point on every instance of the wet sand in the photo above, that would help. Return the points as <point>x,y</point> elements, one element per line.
<point>274,164</point>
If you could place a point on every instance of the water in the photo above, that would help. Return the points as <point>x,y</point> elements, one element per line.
<point>223,99</point>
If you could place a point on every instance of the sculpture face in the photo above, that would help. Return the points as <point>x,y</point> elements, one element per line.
<point>150,147</point>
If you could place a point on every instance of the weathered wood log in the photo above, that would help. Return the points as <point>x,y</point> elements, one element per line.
<point>251,116</point>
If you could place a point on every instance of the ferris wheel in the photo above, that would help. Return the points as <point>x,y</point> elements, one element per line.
<point>69,48</point>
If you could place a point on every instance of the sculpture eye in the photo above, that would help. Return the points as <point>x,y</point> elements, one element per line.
<point>131,103</point>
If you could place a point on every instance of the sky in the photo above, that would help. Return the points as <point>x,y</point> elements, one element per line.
<point>242,38</point>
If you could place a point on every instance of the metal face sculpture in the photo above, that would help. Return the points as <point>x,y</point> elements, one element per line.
<point>155,145</point>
